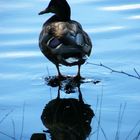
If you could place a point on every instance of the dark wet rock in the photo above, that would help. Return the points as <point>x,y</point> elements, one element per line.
<point>68,83</point>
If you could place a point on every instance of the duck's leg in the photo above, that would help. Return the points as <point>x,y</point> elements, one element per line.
<point>78,76</point>
<point>58,70</point>
<point>80,94</point>
<point>58,96</point>
<point>60,76</point>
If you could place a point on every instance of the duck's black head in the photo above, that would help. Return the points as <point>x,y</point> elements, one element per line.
<point>61,9</point>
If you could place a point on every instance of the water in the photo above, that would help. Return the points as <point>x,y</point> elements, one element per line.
<point>115,32</point>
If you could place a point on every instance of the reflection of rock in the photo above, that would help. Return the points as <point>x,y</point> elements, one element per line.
<point>67,119</point>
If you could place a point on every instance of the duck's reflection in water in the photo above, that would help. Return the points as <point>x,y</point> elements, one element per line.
<point>67,119</point>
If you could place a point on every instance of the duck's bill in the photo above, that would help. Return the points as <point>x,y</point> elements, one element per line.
<point>44,12</point>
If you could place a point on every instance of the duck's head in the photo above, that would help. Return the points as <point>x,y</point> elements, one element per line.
<point>61,9</point>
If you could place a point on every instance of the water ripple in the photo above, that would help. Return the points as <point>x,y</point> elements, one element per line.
<point>76,2</point>
<point>83,1</point>
<point>121,7</point>
<point>104,29</point>
<point>136,17</point>
<point>17,30</point>
<point>10,75</point>
<point>18,42</point>
<point>6,6</point>
<point>20,54</point>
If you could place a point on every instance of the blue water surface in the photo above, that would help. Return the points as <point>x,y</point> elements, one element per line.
<point>114,28</point>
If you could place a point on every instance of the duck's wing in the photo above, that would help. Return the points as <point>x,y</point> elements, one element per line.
<point>66,33</point>
<point>71,33</point>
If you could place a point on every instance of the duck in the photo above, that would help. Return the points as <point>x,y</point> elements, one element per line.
<point>63,40</point>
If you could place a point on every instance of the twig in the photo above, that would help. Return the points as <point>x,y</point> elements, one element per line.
<point>22,124</point>
<point>6,115</point>
<point>97,102</point>
<point>14,130</point>
<point>120,117</point>
<point>137,137</point>
<point>101,128</point>
<point>121,72</point>
<point>7,135</point>
<point>100,111</point>
<point>132,130</point>
<point>123,110</point>
<point>137,72</point>
<point>119,122</point>
<point>99,120</point>
<point>48,71</point>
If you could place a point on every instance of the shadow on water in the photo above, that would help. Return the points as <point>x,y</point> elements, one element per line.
<point>66,119</point>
